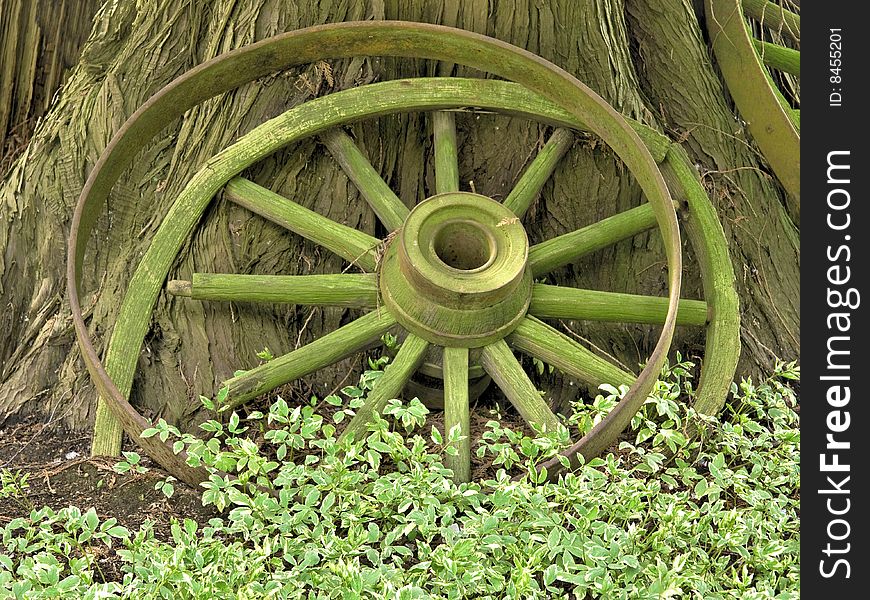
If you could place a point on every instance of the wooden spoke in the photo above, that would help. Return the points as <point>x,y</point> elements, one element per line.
<point>387,206</point>
<point>446,152</point>
<point>537,339</point>
<point>556,302</point>
<point>504,368</point>
<point>456,411</point>
<point>354,246</point>
<point>389,385</point>
<point>533,179</point>
<point>320,353</point>
<point>348,290</point>
<point>774,17</point>
<point>567,248</point>
<point>779,57</point>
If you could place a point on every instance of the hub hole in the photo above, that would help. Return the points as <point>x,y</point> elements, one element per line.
<point>464,245</point>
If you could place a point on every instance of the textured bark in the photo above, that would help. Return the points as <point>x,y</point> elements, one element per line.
<point>622,49</point>
<point>696,110</point>
<point>40,41</point>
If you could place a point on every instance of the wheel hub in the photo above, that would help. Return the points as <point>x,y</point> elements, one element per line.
<point>456,273</point>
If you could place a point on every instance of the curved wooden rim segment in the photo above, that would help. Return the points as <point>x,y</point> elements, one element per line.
<point>717,275</point>
<point>771,126</point>
<point>344,40</point>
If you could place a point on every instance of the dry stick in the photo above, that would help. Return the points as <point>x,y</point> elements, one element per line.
<point>774,17</point>
<point>596,347</point>
<point>539,340</point>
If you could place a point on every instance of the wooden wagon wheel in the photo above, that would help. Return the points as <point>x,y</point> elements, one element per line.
<point>458,271</point>
<point>744,61</point>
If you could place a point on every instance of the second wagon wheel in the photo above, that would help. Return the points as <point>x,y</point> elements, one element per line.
<point>456,271</point>
<point>744,59</point>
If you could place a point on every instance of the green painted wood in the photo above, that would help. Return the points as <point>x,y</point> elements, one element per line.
<point>774,17</point>
<point>323,351</point>
<point>722,345</point>
<point>446,152</point>
<point>354,246</point>
<point>569,247</point>
<point>456,411</point>
<point>504,368</point>
<point>537,339</point>
<point>387,206</point>
<point>533,179</point>
<point>347,290</point>
<point>389,385</point>
<point>557,302</point>
<point>779,57</point>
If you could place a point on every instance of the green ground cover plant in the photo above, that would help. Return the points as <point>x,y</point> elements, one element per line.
<point>664,515</point>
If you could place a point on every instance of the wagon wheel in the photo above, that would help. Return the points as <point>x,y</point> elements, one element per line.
<point>744,61</point>
<point>461,296</point>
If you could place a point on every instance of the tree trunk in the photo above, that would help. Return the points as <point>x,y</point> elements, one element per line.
<point>39,42</point>
<point>647,58</point>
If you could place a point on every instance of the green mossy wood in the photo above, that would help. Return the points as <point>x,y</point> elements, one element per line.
<point>462,254</point>
<point>456,410</point>
<point>772,121</point>
<point>614,47</point>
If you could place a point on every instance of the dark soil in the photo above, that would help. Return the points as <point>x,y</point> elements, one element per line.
<point>61,473</point>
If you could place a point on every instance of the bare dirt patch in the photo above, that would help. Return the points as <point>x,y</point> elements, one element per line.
<point>61,473</point>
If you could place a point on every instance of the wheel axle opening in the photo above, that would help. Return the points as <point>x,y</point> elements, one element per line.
<point>464,246</point>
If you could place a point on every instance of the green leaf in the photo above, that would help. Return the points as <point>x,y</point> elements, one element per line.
<point>222,394</point>
<point>436,436</point>
<point>310,559</point>
<point>119,531</point>
<point>352,391</point>
<point>91,519</point>
<point>312,497</point>
<point>69,583</point>
<point>550,574</point>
